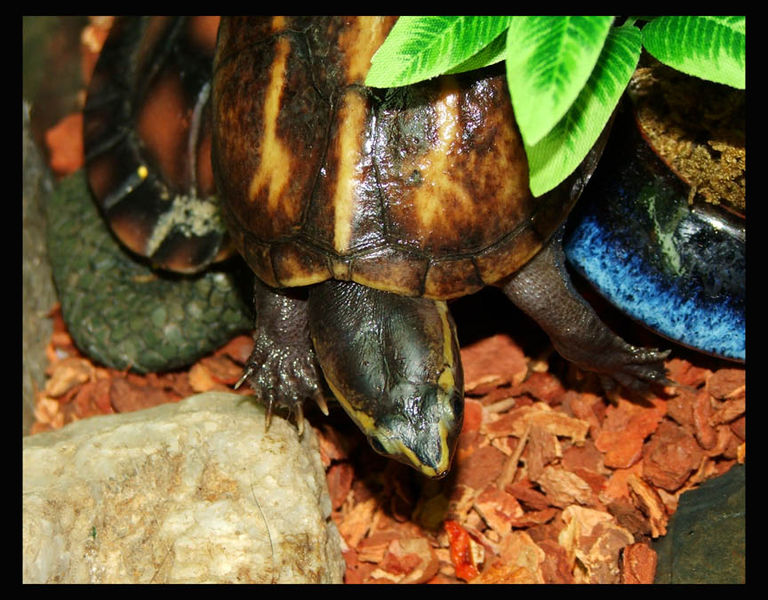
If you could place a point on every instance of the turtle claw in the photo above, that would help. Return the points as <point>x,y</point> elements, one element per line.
<point>270,411</point>
<point>300,419</point>
<point>322,404</point>
<point>268,416</point>
<point>282,369</point>
<point>636,370</point>
<point>247,374</point>
<point>543,289</point>
<point>645,368</point>
<point>631,367</point>
<point>244,377</point>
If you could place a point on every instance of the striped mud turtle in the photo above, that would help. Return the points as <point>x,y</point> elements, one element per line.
<point>361,211</point>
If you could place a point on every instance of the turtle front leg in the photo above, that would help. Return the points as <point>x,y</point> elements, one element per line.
<point>282,368</point>
<point>543,290</point>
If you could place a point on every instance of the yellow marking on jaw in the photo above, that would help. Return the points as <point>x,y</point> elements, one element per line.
<point>351,120</point>
<point>446,381</point>
<point>427,470</point>
<point>396,448</point>
<point>275,164</point>
<point>436,167</point>
<point>364,421</point>
<point>442,310</point>
<point>393,446</point>
<point>445,452</point>
<point>445,455</point>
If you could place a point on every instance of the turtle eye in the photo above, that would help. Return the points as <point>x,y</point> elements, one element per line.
<point>377,446</point>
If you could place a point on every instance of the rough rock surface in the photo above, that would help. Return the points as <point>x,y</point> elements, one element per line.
<point>189,492</point>
<point>38,295</point>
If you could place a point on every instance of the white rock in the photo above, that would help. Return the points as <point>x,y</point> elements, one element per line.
<point>189,492</point>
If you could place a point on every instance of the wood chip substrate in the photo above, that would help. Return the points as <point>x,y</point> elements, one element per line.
<point>549,484</point>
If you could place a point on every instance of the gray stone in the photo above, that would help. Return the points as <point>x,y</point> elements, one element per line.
<point>706,538</point>
<point>181,493</point>
<point>38,295</point>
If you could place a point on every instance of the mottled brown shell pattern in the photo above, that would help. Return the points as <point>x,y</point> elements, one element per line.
<point>146,133</point>
<point>421,190</point>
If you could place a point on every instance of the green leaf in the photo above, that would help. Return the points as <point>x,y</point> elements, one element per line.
<point>558,154</point>
<point>490,55</point>
<point>419,48</point>
<point>712,48</point>
<point>549,59</point>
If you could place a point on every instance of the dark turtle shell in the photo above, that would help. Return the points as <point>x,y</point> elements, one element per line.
<point>147,140</point>
<point>420,190</point>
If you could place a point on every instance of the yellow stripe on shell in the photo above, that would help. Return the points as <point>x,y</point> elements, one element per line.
<point>437,165</point>
<point>358,42</point>
<point>275,164</point>
<point>278,23</point>
<point>351,120</point>
<point>361,42</point>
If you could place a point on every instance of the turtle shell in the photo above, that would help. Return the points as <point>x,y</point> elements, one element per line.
<point>421,190</point>
<point>147,141</point>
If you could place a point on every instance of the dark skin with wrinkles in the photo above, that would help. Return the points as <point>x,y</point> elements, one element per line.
<point>398,344</point>
<point>544,291</point>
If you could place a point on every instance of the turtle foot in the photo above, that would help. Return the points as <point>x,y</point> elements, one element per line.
<point>617,362</point>
<point>282,377</point>
<point>544,290</point>
<point>282,369</point>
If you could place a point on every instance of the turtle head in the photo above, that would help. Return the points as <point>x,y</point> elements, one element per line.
<point>393,363</point>
<point>418,424</point>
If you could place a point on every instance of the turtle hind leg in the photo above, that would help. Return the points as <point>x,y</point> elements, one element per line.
<point>544,291</point>
<point>282,369</point>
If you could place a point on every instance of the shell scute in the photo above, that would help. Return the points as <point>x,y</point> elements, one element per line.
<point>421,190</point>
<point>146,134</point>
